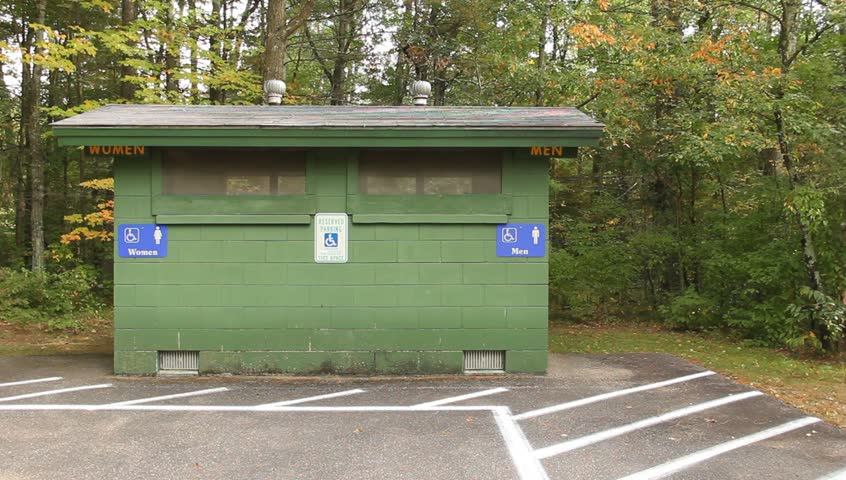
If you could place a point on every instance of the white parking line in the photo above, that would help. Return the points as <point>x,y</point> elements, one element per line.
<point>682,463</point>
<point>606,396</point>
<point>527,465</point>
<point>311,399</point>
<point>168,397</point>
<point>54,392</point>
<point>838,475</point>
<point>648,422</point>
<point>459,398</point>
<point>242,408</point>
<point>26,382</point>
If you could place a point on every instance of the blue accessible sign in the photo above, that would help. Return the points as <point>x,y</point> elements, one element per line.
<point>142,240</point>
<point>521,240</point>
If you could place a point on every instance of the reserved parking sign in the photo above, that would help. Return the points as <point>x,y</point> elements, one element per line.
<point>331,237</point>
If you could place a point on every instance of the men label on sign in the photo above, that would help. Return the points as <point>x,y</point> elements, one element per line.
<point>521,240</point>
<point>556,152</point>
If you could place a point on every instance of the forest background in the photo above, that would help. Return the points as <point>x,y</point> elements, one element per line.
<point>715,201</point>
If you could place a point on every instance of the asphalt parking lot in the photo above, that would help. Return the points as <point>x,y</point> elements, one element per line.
<point>633,417</point>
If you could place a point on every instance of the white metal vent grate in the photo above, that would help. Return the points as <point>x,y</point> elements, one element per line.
<point>185,361</point>
<point>484,360</point>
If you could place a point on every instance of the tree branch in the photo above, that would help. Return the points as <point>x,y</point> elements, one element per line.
<point>300,19</point>
<point>317,56</point>
<point>753,7</point>
<point>589,99</point>
<point>811,41</point>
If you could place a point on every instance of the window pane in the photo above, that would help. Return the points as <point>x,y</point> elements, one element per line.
<point>390,185</point>
<point>227,171</point>
<point>490,182</point>
<point>291,185</point>
<point>248,185</point>
<point>430,172</point>
<point>447,185</point>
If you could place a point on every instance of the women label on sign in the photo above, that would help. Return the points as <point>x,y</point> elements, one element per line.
<point>331,237</point>
<point>142,240</point>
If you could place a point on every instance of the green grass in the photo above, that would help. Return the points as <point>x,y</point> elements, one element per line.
<point>817,386</point>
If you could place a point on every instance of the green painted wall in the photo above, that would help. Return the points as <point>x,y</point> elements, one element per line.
<point>413,296</point>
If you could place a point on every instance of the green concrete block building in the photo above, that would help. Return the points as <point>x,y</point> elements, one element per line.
<point>330,240</point>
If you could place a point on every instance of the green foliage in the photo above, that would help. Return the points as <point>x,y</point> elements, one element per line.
<point>52,299</point>
<point>690,311</point>
<point>818,308</point>
<point>722,161</point>
<point>594,281</point>
<point>593,268</point>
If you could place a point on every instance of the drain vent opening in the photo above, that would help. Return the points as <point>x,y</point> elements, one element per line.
<point>484,360</point>
<point>172,362</point>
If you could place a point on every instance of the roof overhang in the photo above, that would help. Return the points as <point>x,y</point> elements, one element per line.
<point>375,127</point>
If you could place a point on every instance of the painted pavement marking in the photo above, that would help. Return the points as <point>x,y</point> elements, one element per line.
<point>240,408</point>
<point>526,460</point>
<point>54,392</point>
<point>647,422</point>
<point>460,398</point>
<point>311,399</point>
<point>528,466</point>
<point>838,475</point>
<point>606,396</point>
<point>168,397</point>
<point>682,463</point>
<point>26,382</point>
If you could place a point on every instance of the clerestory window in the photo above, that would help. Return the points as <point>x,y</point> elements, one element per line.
<point>228,171</point>
<point>429,172</point>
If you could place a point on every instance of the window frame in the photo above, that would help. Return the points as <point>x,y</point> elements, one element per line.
<point>421,172</point>
<point>285,208</point>
<point>491,208</point>
<point>226,169</point>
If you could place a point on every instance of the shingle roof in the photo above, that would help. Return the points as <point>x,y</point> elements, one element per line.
<point>329,118</point>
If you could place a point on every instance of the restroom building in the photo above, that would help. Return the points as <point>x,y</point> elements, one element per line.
<point>262,239</point>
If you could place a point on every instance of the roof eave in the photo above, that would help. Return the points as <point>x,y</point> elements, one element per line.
<point>332,137</point>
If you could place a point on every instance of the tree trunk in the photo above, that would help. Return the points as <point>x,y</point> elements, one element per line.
<point>276,44</point>
<point>788,49</point>
<point>127,16</point>
<point>541,65</point>
<point>402,67</point>
<point>194,49</point>
<point>171,51</point>
<point>215,93</point>
<point>279,29</point>
<point>32,121</point>
<point>343,40</point>
<point>788,33</point>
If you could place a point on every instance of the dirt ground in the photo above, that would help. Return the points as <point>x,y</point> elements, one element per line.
<point>34,339</point>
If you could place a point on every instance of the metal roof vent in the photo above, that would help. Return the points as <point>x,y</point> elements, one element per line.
<point>421,90</point>
<point>274,90</point>
<point>484,361</point>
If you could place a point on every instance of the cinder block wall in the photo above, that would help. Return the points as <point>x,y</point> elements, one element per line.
<point>412,298</point>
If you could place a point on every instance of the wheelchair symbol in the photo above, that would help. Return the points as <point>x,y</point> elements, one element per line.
<point>132,235</point>
<point>509,235</point>
<point>330,240</point>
